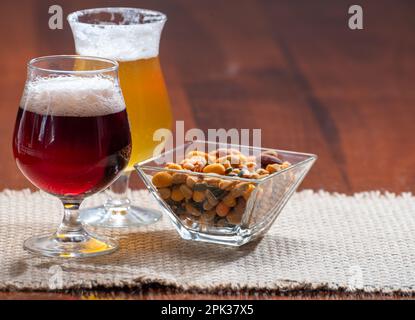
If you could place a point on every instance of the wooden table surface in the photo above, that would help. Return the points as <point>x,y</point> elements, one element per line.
<point>292,68</point>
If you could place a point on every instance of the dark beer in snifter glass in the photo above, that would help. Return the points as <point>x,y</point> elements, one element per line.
<point>71,139</point>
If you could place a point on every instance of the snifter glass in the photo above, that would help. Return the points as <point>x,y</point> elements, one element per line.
<point>71,140</point>
<point>130,36</point>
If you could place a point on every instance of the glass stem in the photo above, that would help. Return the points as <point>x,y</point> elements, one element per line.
<point>71,227</point>
<point>117,201</point>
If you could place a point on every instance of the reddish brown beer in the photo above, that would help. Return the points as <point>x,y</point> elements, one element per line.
<point>73,156</point>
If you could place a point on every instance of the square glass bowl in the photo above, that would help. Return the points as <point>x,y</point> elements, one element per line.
<point>254,203</point>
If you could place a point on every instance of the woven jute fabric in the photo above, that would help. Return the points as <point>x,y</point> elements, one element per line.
<point>321,241</point>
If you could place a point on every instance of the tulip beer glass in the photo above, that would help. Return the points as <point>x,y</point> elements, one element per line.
<point>131,36</point>
<point>71,140</point>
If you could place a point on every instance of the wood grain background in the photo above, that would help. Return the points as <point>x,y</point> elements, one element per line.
<point>292,68</point>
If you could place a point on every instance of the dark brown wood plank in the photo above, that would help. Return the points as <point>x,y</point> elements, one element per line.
<point>356,85</point>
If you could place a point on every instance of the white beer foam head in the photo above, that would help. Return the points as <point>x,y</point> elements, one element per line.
<point>137,36</point>
<point>73,96</point>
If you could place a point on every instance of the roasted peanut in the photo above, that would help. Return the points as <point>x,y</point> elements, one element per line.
<point>240,206</point>
<point>261,171</point>
<point>239,189</point>
<point>173,166</point>
<point>222,160</point>
<point>198,162</point>
<point>251,166</point>
<point>234,218</point>
<point>229,201</point>
<point>199,196</point>
<point>179,178</point>
<point>187,219</point>
<point>210,197</point>
<point>187,192</point>
<point>214,168</point>
<point>210,214</point>
<point>176,194</point>
<point>271,168</point>
<point>248,191</point>
<point>214,182</point>
<point>190,181</point>
<point>227,184</point>
<point>207,205</point>
<point>188,166</point>
<point>164,193</point>
<point>162,180</point>
<point>222,209</point>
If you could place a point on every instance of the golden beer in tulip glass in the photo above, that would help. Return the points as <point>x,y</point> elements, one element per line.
<point>131,36</point>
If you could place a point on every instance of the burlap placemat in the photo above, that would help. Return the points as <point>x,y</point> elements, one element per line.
<point>321,241</point>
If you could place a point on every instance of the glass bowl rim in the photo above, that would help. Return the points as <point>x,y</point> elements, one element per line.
<point>142,165</point>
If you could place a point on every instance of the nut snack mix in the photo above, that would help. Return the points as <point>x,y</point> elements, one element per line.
<point>228,195</point>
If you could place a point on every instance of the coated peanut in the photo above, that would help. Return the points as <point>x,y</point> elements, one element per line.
<point>214,168</point>
<point>176,194</point>
<point>162,180</point>
<point>198,196</point>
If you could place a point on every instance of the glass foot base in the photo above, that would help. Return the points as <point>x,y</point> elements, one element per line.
<point>130,217</point>
<point>75,245</point>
